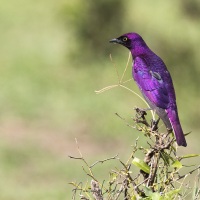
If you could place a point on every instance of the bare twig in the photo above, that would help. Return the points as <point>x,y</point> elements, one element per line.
<point>129,56</point>
<point>125,121</point>
<point>102,161</point>
<point>183,176</point>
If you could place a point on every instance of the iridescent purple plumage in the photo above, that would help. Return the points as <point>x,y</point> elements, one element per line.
<point>154,81</point>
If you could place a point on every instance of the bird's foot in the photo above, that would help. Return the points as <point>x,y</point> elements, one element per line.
<point>154,124</point>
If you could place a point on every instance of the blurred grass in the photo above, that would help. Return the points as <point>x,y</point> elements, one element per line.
<point>47,99</point>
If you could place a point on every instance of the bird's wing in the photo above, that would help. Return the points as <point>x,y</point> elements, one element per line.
<point>151,84</point>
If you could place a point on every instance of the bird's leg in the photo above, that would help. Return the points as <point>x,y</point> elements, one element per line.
<point>154,124</point>
<point>169,131</point>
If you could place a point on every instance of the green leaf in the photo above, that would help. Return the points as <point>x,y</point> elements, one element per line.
<point>155,196</point>
<point>172,194</point>
<point>177,164</point>
<point>190,156</point>
<point>151,195</point>
<point>133,197</point>
<point>147,191</point>
<point>141,164</point>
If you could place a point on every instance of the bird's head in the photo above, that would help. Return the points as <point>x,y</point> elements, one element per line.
<point>132,41</point>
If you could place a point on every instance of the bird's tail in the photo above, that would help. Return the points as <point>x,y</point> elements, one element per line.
<point>177,129</point>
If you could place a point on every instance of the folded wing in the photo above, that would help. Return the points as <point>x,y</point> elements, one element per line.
<point>151,84</point>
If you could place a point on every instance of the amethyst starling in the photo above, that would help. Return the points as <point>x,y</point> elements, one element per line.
<point>154,82</point>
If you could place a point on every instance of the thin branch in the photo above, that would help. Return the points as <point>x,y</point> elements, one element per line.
<point>102,161</point>
<point>125,121</point>
<point>129,56</point>
<point>180,177</point>
<point>77,158</point>
<point>121,189</point>
<point>120,83</point>
<point>135,94</point>
<point>106,88</point>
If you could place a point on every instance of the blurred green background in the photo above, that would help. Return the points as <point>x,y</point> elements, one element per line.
<point>53,56</point>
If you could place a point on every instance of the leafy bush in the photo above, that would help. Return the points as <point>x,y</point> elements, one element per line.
<point>160,170</point>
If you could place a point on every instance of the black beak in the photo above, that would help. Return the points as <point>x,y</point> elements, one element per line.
<point>116,40</point>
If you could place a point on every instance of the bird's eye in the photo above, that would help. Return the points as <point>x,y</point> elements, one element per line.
<point>124,39</point>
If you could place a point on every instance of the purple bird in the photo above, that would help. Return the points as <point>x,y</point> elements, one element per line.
<point>154,82</point>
